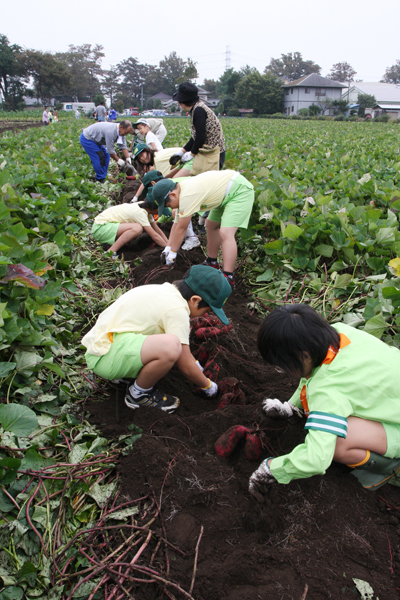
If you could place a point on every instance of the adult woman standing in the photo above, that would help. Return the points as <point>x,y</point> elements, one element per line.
<point>207,143</point>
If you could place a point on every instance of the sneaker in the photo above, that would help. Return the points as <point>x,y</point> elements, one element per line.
<point>213,265</point>
<point>231,280</point>
<point>155,399</point>
<point>191,242</point>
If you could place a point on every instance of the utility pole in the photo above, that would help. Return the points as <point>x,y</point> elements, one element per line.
<point>228,58</point>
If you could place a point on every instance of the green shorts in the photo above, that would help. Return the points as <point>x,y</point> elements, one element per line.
<point>122,359</point>
<point>235,210</point>
<point>393,439</point>
<point>187,165</point>
<point>106,233</point>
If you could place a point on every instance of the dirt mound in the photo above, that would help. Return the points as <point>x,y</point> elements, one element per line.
<point>309,539</point>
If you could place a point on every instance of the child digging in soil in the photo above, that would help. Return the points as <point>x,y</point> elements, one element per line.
<point>229,197</point>
<point>121,224</point>
<point>146,331</point>
<point>349,392</point>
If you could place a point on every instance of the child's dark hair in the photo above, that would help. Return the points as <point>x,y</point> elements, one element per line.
<point>186,291</point>
<point>143,168</point>
<point>290,330</point>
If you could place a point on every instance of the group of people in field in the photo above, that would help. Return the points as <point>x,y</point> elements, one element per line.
<point>349,381</point>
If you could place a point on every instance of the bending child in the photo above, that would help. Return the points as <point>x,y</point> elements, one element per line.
<point>121,224</point>
<point>146,331</point>
<point>349,392</point>
<point>230,198</point>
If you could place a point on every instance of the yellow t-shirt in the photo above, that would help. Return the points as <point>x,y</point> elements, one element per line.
<point>203,192</point>
<point>124,213</point>
<point>148,309</point>
<point>161,159</point>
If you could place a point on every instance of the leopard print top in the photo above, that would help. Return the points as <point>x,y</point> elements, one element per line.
<point>214,133</point>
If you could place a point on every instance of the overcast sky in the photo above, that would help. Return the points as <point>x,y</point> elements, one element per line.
<point>365,34</point>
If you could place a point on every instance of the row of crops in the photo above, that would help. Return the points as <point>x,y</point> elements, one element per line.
<point>324,230</point>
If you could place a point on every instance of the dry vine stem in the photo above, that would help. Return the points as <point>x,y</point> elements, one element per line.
<point>195,559</point>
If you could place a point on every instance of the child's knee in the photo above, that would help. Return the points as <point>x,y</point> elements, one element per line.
<point>172,347</point>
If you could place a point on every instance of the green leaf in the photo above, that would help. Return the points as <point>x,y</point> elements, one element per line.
<point>27,360</point>
<point>266,276</point>
<point>19,419</point>
<point>6,368</point>
<point>9,469</point>
<point>376,326</point>
<point>102,493</point>
<point>12,593</point>
<point>324,250</point>
<point>28,574</point>
<point>391,293</point>
<point>292,231</point>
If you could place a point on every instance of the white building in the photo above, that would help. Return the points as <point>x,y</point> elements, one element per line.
<point>308,90</point>
<point>383,92</point>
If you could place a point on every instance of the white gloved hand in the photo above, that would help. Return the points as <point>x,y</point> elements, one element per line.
<point>275,408</point>
<point>170,259</point>
<point>129,160</point>
<point>260,480</point>
<point>120,162</point>
<point>211,390</point>
<point>134,199</point>
<point>187,156</point>
<point>199,365</point>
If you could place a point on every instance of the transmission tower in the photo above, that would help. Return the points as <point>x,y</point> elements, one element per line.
<point>228,58</point>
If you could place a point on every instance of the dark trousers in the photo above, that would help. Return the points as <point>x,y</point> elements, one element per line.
<point>98,155</point>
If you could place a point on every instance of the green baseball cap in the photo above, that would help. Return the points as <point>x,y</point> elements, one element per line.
<point>161,192</point>
<point>138,149</point>
<point>151,176</point>
<point>212,286</point>
<point>149,198</point>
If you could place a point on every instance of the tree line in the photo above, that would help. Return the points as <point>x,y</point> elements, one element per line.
<point>78,75</point>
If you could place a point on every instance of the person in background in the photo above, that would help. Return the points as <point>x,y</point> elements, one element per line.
<point>77,113</point>
<point>55,116</point>
<point>151,140</point>
<point>146,332</point>
<point>101,112</point>
<point>112,115</point>
<point>98,142</point>
<point>45,117</point>
<point>348,391</point>
<point>206,133</point>
<point>156,126</point>
<point>50,115</point>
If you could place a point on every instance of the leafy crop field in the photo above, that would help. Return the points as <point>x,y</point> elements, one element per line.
<point>324,230</point>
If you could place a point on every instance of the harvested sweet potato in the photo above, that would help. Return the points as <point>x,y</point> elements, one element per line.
<point>225,400</point>
<point>252,448</point>
<point>240,398</point>
<point>204,333</point>
<point>225,445</point>
<point>229,384</point>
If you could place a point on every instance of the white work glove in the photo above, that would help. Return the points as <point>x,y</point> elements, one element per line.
<point>211,390</point>
<point>187,156</point>
<point>176,157</point>
<point>260,480</point>
<point>134,199</point>
<point>129,160</point>
<point>199,365</point>
<point>120,162</point>
<point>164,254</point>
<point>170,258</point>
<point>275,408</point>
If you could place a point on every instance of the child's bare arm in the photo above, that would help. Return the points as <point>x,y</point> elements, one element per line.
<point>178,233</point>
<point>160,232</point>
<point>187,365</point>
<point>157,238</point>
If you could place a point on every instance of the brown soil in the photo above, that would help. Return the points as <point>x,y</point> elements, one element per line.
<point>13,125</point>
<point>308,540</point>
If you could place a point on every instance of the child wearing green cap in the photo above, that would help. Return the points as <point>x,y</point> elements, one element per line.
<point>146,331</point>
<point>229,197</point>
<point>121,224</point>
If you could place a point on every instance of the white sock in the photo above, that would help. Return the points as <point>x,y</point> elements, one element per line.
<point>137,391</point>
<point>189,231</point>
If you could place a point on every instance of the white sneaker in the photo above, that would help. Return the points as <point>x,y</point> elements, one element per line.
<point>190,243</point>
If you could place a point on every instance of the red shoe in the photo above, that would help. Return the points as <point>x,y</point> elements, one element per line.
<point>214,265</point>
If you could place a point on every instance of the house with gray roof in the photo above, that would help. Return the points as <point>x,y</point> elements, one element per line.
<point>308,90</point>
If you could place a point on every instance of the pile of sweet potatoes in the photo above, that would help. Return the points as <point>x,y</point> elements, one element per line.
<point>227,442</point>
<point>208,326</point>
